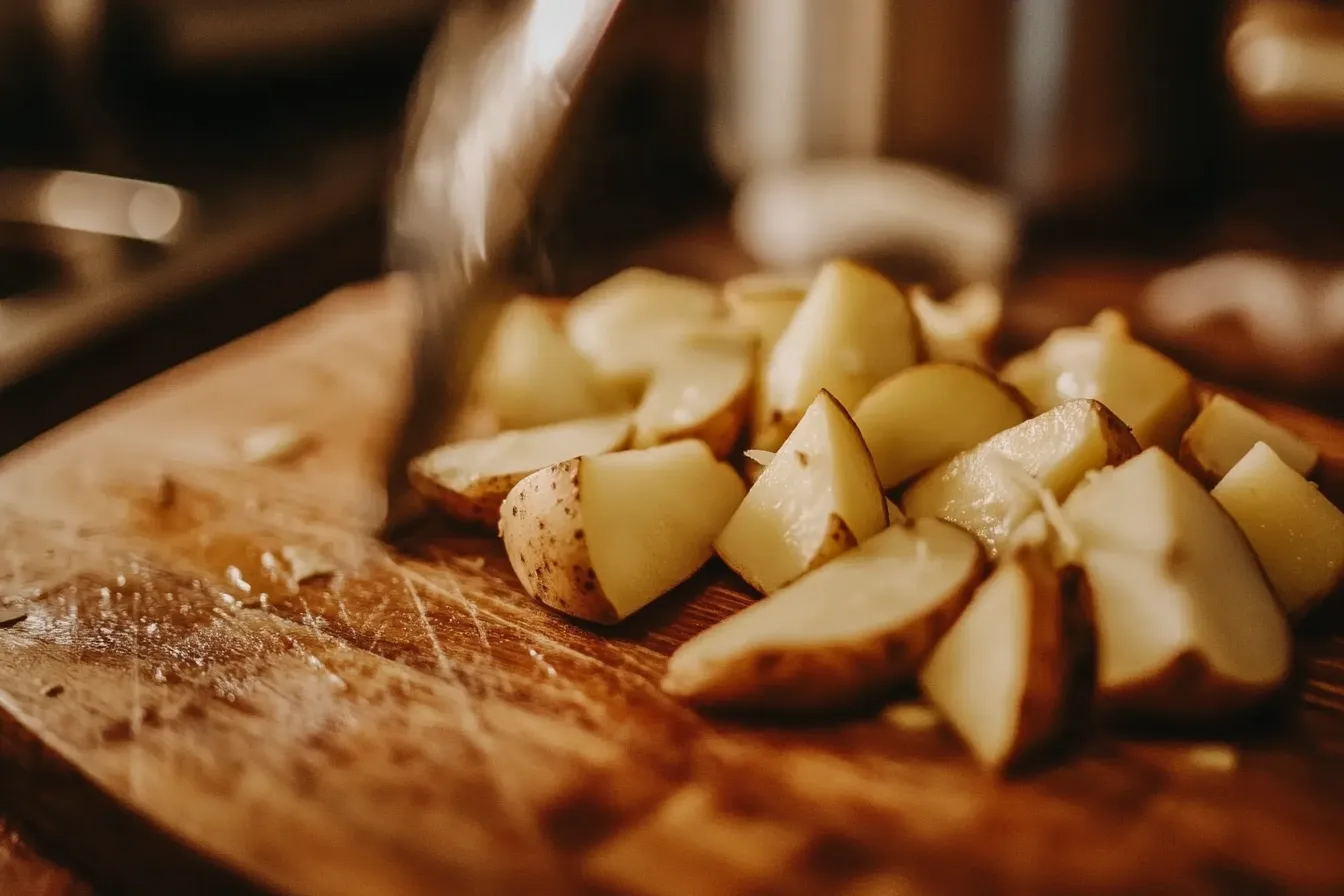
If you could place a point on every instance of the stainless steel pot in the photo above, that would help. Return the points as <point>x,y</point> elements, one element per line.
<point>1057,103</point>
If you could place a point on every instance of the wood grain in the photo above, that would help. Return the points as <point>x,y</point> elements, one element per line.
<point>180,715</point>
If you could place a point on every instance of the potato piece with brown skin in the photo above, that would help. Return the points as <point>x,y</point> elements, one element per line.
<point>601,537</point>
<point>1151,393</point>
<point>468,480</point>
<point>1003,675</point>
<point>819,495</point>
<point>1226,429</point>
<point>840,635</point>
<point>1187,625</point>
<point>703,393</point>
<point>992,488</point>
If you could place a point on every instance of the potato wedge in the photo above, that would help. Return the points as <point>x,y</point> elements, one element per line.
<point>601,537</point>
<point>632,322</point>
<point>840,635</point>
<point>704,392</point>
<point>531,376</point>
<point>1147,390</point>
<point>468,480</point>
<point>961,328</point>
<point>1226,429</point>
<point>1003,674</point>
<point>853,330</point>
<point>818,497</point>
<point>919,417</point>
<point>1297,534</point>
<point>765,303</point>
<point>1186,623</point>
<point>991,488</point>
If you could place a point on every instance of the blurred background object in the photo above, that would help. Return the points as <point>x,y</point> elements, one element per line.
<point>1071,150</point>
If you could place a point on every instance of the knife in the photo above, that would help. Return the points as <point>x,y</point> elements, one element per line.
<point>491,120</point>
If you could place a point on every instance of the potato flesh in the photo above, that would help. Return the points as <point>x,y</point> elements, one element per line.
<point>984,490</point>
<point>1296,532</point>
<point>1144,388</point>
<point>650,517</point>
<point>1226,429</point>
<point>518,453</point>
<point>853,330</point>
<point>925,414</point>
<point>631,322</point>
<point>822,471</point>
<point>890,588</point>
<point>700,382</point>
<point>1171,576</point>
<point>764,304</point>
<point>961,328</point>
<point>531,376</point>
<point>977,675</point>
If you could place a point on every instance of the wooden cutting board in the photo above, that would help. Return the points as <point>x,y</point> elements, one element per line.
<point>180,717</point>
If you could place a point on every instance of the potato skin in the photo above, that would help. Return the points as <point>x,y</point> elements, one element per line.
<point>541,523</point>
<point>477,505</point>
<point>1121,444</point>
<point>818,678</point>
<point>1054,652</point>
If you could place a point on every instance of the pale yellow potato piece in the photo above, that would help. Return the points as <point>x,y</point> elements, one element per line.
<point>1297,534</point>
<point>853,330</point>
<point>1226,429</point>
<point>629,324</point>
<point>990,489</point>
<point>1186,623</point>
<point>841,634</point>
<point>702,393</point>
<point>531,376</point>
<point>923,415</point>
<point>1147,390</point>
<point>601,537</point>
<point>1002,675</point>
<point>818,497</point>
<point>468,480</point>
<point>962,327</point>
<point>765,303</point>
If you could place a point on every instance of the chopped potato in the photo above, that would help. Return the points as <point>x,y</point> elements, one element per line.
<point>1186,623</point>
<point>600,537</point>
<point>990,489</point>
<point>1002,676</point>
<point>961,328</point>
<point>840,635</point>
<point>468,480</point>
<point>629,324</point>
<point>531,376</point>
<point>1144,388</point>
<point>1225,430</point>
<point>853,330</point>
<point>923,415</point>
<point>1296,532</point>
<point>702,393</point>
<point>819,496</point>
